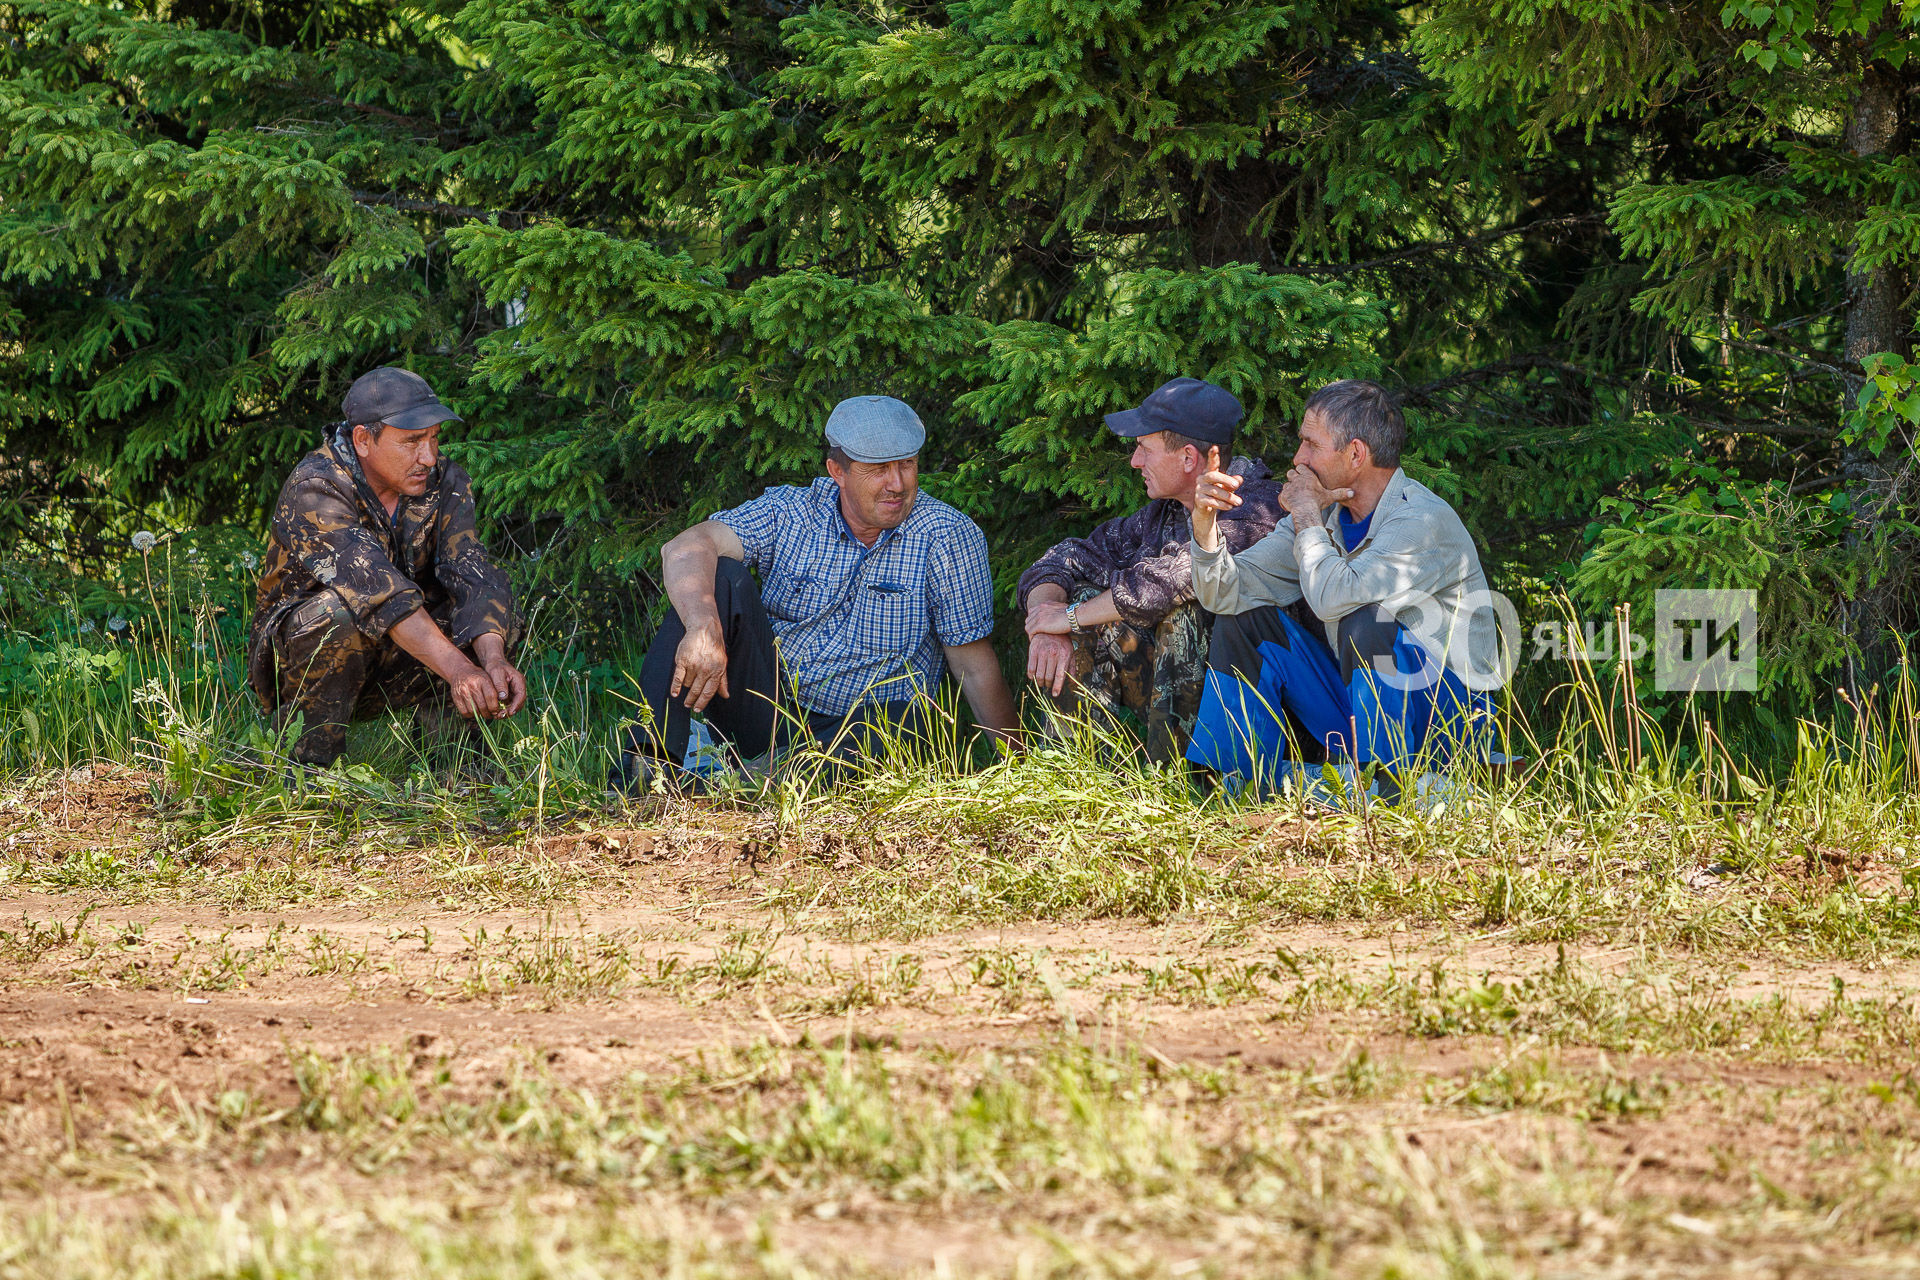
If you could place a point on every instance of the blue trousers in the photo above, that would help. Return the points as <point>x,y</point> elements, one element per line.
<point>1276,691</point>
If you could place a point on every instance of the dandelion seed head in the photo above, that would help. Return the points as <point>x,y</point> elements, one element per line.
<point>116,623</point>
<point>250,560</point>
<point>86,628</point>
<point>144,541</point>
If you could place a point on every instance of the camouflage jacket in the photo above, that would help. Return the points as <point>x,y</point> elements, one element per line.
<point>331,533</point>
<point>1146,558</point>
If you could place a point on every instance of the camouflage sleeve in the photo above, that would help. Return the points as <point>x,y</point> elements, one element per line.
<point>1091,561</point>
<point>1149,589</point>
<point>1066,565</point>
<point>482,597</point>
<point>321,528</point>
<point>1155,585</point>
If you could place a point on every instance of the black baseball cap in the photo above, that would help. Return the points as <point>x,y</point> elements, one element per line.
<point>398,397</point>
<point>1198,410</point>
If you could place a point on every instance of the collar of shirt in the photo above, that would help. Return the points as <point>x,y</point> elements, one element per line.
<point>1390,499</point>
<point>846,529</point>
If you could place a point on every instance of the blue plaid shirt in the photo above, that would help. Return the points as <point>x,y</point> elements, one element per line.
<point>864,624</point>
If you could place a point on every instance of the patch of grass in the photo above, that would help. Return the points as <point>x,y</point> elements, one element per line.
<point>552,965</point>
<point>1274,1172</point>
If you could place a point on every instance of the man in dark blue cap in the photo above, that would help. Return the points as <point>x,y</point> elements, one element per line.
<point>376,592</point>
<point>1112,624</point>
<point>868,591</point>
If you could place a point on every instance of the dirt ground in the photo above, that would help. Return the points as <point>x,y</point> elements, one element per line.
<point>1696,1115</point>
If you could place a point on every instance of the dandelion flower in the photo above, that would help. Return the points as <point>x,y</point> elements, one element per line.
<point>144,541</point>
<point>116,623</point>
<point>250,560</point>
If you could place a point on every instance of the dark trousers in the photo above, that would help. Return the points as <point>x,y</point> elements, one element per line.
<point>1375,697</point>
<point>328,673</point>
<point>757,715</point>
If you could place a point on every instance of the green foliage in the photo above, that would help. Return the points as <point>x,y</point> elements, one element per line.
<point>1615,254</point>
<point>644,250</point>
<point>1888,403</point>
<point>1719,532</point>
<point>1770,214</point>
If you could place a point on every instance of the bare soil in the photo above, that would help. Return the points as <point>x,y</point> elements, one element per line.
<point>189,1000</point>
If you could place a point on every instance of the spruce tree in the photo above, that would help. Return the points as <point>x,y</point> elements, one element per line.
<point>644,248</point>
<point>1767,243</point>
<point>707,224</point>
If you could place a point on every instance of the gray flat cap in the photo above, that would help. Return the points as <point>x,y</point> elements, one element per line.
<point>875,429</point>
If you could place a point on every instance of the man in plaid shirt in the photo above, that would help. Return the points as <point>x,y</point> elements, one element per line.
<point>868,590</point>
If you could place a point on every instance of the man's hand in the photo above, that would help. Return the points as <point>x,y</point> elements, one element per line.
<point>474,694</point>
<point>1049,661</point>
<point>1305,497</point>
<point>1215,491</point>
<point>1047,617</point>
<point>509,686</point>
<point>700,666</point>
<point>486,690</point>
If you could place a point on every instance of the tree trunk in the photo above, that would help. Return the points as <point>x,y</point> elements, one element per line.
<point>1876,323</point>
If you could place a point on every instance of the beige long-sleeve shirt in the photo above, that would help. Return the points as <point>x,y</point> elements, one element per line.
<point>1417,560</point>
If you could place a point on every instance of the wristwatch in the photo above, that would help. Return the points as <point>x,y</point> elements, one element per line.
<point>1073,619</point>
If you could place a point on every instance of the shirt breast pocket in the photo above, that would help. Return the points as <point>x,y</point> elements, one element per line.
<point>797,598</point>
<point>891,618</point>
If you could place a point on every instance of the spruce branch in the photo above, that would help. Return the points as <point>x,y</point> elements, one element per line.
<point>440,208</point>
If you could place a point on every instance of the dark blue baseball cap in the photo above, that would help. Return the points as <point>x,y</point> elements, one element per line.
<point>400,398</point>
<point>1198,410</point>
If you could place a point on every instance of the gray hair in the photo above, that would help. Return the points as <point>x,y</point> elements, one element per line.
<point>1356,409</point>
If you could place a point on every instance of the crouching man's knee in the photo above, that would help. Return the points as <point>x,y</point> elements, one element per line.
<point>322,660</point>
<point>733,575</point>
<point>1234,645</point>
<point>1367,635</point>
<point>316,634</point>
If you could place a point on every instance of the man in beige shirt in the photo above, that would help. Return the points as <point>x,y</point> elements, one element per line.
<point>1398,670</point>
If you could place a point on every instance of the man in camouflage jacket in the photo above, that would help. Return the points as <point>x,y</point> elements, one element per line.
<point>376,592</point>
<point>1112,623</point>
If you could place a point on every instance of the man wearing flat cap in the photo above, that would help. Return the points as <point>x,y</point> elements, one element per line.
<point>1112,623</point>
<point>376,592</point>
<point>868,590</point>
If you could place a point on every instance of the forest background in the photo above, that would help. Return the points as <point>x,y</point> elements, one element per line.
<point>1643,272</point>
